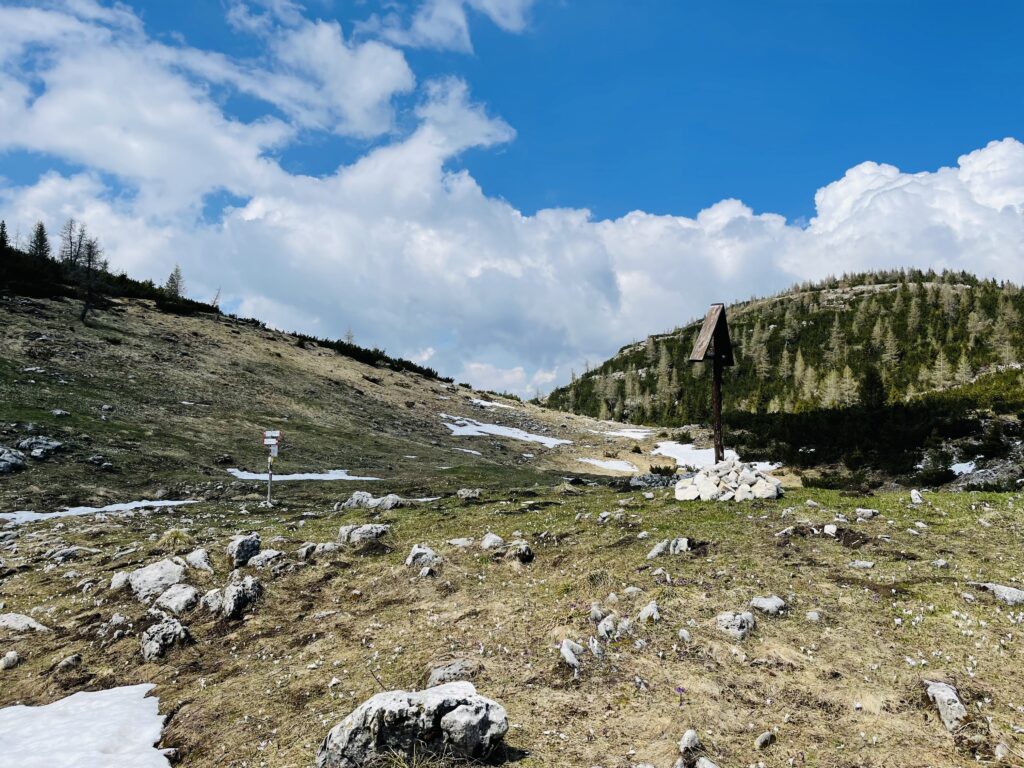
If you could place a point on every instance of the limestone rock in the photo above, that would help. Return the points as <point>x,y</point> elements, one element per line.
<point>239,595</point>
<point>358,535</point>
<point>1008,595</point>
<point>264,558</point>
<point>452,671</point>
<point>200,560</point>
<point>242,548</point>
<point>772,605</point>
<point>212,601</point>
<point>154,579</point>
<point>162,636</point>
<point>10,460</point>
<point>491,541</point>
<point>947,701</point>
<point>178,599</point>
<point>10,660</point>
<point>737,625</point>
<point>19,622</point>
<point>468,494</point>
<point>451,720</point>
<point>422,555</point>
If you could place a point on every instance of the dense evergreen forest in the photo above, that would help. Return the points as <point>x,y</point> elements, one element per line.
<point>867,339</point>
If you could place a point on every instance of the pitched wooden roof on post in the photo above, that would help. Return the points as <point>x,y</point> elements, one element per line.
<point>713,341</point>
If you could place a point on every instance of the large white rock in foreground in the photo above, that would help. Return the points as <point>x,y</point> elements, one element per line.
<point>451,720</point>
<point>729,480</point>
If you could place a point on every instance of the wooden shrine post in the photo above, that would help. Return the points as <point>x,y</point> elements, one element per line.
<point>713,343</point>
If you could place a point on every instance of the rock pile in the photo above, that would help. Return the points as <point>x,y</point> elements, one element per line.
<point>729,480</point>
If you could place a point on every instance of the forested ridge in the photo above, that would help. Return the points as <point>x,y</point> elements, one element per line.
<point>869,340</point>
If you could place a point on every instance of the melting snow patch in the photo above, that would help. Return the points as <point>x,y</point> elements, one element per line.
<point>964,468</point>
<point>333,474</point>
<point>633,433</point>
<point>469,450</point>
<point>116,728</point>
<point>618,465</point>
<point>25,516</point>
<point>690,456</point>
<point>490,404</point>
<point>472,428</point>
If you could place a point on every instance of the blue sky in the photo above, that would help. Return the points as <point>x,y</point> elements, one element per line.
<point>474,161</point>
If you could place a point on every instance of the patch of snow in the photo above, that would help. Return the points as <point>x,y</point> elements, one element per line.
<point>332,474</point>
<point>473,428</point>
<point>963,468</point>
<point>633,433</point>
<point>687,455</point>
<point>469,450</point>
<point>116,728</point>
<point>490,404</point>
<point>617,465</point>
<point>25,516</point>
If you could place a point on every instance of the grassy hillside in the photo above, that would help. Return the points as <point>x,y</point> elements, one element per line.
<point>188,396</point>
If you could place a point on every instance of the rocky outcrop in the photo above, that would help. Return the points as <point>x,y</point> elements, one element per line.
<point>160,637</point>
<point>241,549</point>
<point>451,720</point>
<point>154,579</point>
<point>10,460</point>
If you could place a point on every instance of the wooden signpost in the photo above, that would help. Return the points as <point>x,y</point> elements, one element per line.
<point>713,343</point>
<point>271,439</point>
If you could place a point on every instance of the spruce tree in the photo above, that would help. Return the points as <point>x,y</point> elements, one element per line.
<point>4,243</point>
<point>40,245</point>
<point>175,284</point>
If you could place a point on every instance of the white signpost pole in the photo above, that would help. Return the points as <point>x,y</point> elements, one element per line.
<point>271,439</point>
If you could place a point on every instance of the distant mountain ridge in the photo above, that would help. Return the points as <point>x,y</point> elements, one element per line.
<point>861,340</point>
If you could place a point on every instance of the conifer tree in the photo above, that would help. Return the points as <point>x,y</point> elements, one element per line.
<point>175,284</point>
<point>4,243</point>
<point>942,372</point>
<point>849,390</point>
<point>964,372</point>
<point>40,244</point>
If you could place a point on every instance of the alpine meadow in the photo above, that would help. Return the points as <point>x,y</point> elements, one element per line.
<point>450,383</point>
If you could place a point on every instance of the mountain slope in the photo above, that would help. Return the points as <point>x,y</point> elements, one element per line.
<point>869,338</point>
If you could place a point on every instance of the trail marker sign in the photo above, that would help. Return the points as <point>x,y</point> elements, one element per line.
<point>271,439</point>
<point>713,343</point>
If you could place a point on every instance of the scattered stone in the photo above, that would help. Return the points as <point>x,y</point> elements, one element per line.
<point>519,550</point>
<point>684,635</point>
<point>239,595</point>
<point>947,701</point>
<point>154,579</point>
<point>649,613</point>
<point>10,660</point>
<point>19,622</point>
<point>772,605</point>
<point>59,413</point>
<point>813,616</point>
<point>451,720</point>
<point>491,541</point>
<point>451,671</point>
<point>651,480</point>
<point>866,514</point>
<point>422,555</point>
<point>242,548</point>
<point>570,652</point>
<point>463,543</point>
<point>765,740</point>
<point>358,535</point>
<point>264,558</point>
<point>916,497</point>
<point>39,447</point>
<point>64,554</point>
<point>119,581</point>
<point>737,625</point>
<point>467,494</point>
<point>74,661</point>
<point>364,500</point>
<point>212,601</point>
<point>863,565</point>
<point>940,563</point>
<point>11,460</point>
<point>1008,595</point>
<point>200,560</point>
<point>606,627</point>
<point>178,599</point>
<point>163,636</point>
